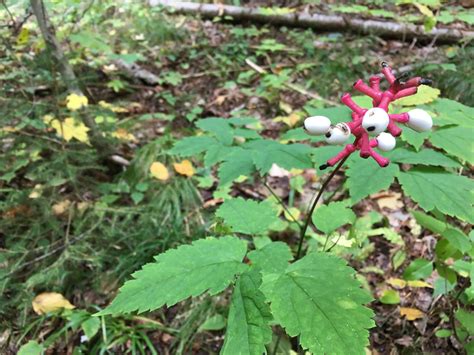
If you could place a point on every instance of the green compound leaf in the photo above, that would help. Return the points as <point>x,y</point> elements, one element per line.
<point>366,177</point>
<point>332,216</point>
<point>247,216</point>
<point>219,127</point>
<point>435,188</point>
<point>237,163</point>
<point>248,328</point>
<point>265,153</point>
<point>415,139</point>
<point>423,157</point>
<point>456,141</point>
<point>190,146</point>
<point>206,265</point>
<point>318,299</point>
<point>272,258</point>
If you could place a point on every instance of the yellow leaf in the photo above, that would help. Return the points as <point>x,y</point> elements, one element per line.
<point>411,313</point>
<point>37,191</point>
<point>61,207</point>
<point>74,101</point>
<point>9,129</point>
<point>294,212</point>
<point>425,94</point>
<point>69,128</point>
<point>123,134</point>
<point>184,168</point>
<point>23,36</point>
<point>425,10</point>
<point>285,107</point>
<point>290,120</point>
<point>295,172</point>
<point>398,283</point>
<point>159,171</point>
<point>49,302</point>
<point>111,107</point>
<point>418,283</point>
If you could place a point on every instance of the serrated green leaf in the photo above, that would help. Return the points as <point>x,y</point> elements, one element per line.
<point>318,299</point>
<point>247,216</point>
<point>332,216</point>
<point>193,145</point>
<point>299,134</point>
<point>456,141</point>
<point>237,163</point>
<point>206,265</point>
<point>435,188</point>
<point>337,114</point>
<point>423,157</point>
<point>272,258</point>
<point>265,153</point>
<point>424,95</point>
<point>248,329</point>
<point>219,127</point>
<point>415,139</point>
<point>450,112</point>
<point>365,177</point>
<point>217,153</point>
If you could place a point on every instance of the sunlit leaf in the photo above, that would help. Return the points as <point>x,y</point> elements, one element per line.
<point>411,313</point>
<point>184,168</point>
<point>424,95</point>
<point>50,302</point>
<point>159,171</point>
<point>76,101</point>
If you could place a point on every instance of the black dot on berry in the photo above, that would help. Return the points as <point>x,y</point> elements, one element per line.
<point>371,128</point>
<point>328,135</point>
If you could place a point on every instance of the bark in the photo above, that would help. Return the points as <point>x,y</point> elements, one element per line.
<point>319,22</point>
<point>70,80</point>
<point>49,35</point>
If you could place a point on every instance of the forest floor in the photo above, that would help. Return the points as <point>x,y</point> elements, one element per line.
<point>79,224</point>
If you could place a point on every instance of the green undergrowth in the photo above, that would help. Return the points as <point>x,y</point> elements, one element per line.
<point>77,222</point>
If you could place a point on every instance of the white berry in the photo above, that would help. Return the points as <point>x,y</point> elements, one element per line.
<point>386,142</point>
<point>375,121</point>
<point>338,134</point>
<point>317,125</point>
<point>420,120</point>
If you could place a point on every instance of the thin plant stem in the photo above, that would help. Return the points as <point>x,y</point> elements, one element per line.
<point>313,206</point>
<point>282,204</point>
<point>332,246</point>
<point>306,225</point>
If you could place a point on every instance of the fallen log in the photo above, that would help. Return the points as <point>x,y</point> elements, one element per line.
<point>319,22</point>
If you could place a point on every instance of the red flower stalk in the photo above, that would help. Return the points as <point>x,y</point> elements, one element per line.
<point>372,122</point>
